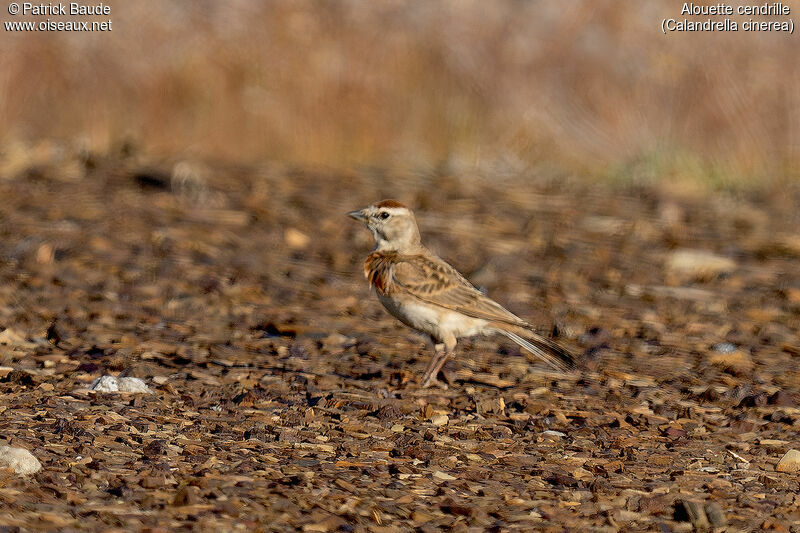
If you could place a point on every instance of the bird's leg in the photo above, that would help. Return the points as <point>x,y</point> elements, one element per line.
<point>442,351</point>
<point>437,361</point>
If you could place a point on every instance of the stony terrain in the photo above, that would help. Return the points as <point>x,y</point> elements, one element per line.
<point>284,397</point>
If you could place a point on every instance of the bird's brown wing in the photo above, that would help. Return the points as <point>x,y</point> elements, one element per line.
<point>436,282</point>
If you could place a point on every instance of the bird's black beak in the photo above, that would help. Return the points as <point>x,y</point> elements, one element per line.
<point>357,215</point>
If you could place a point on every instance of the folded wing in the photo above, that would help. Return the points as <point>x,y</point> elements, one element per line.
<point>438,283</point>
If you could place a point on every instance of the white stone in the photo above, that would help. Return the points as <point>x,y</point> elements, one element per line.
<point>124,384</point>
<point>19,460</point>
<point>105,384</point>
<point>128,384</point>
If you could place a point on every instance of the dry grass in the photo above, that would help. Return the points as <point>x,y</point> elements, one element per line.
<point>585,87</point>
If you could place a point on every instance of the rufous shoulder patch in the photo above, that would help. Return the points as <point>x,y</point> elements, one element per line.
<point>378,268</point>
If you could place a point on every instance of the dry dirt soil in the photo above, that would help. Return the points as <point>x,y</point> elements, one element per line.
<point>285,398</point>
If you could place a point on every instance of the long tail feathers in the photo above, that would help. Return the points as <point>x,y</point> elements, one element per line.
<point>550,352</point>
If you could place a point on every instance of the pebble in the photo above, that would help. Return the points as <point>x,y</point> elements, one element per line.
<point>187,496</point>
<point>440,420</point>
<point>124,384</point>
<point>715,515</point>
<point>689,511</point>
<point>296,239</point>
<point>790,462</point>
<point>444,476</point>
<point>20,460</point>
<point>552,433</point>
<point>698,264</point>
<point>772,443</point>
<point>725,347</point>
<point>781,398</point>
<point>604,225</point>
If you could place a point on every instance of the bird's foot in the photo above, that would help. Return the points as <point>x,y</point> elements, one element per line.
<point>434,382</point>
<point>430,377</point>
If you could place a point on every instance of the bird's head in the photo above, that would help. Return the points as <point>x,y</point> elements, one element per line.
<point>392,226</point>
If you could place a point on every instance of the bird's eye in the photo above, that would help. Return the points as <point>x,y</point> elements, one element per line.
<point>384,215</point>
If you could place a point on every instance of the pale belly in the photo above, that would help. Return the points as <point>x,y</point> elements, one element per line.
<point>438,322</point>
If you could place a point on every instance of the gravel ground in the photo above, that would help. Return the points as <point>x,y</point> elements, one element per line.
<point>283,397</point>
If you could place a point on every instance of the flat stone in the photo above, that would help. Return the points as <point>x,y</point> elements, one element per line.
<point>774,443</point>
<point>790,462</point>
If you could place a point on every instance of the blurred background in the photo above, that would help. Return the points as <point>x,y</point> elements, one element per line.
<point>588,88</point>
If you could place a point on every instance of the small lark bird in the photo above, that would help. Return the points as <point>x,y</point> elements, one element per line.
<point>430,296</point>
